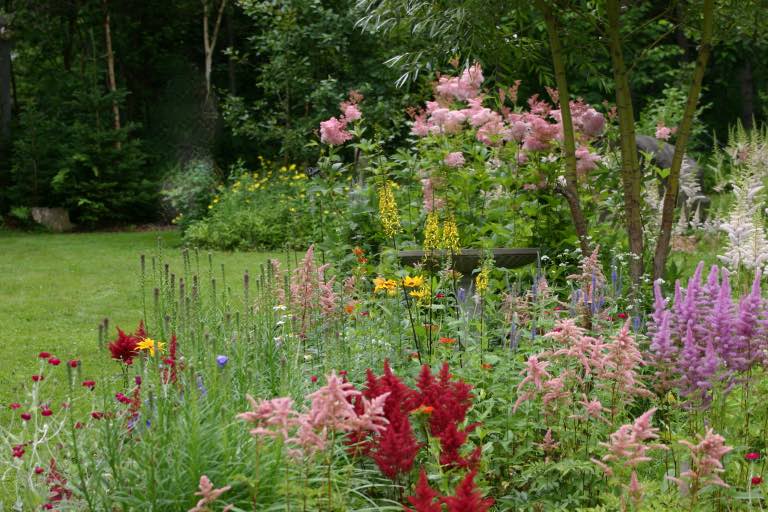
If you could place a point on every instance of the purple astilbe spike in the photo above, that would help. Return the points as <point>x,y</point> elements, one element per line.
<point>659,309</point>
<point>712,288</point>
<point>688,364</point>
<point>748,323</point>
<point>664,354</point>
<point>722,324</point>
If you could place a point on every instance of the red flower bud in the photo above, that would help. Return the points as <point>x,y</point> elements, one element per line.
<point>97,415</point>
<point>757,480</point>
<point>90,384</point>
<point>752,456</point>
<point>38,470</point>
<point>26,416</point>
<point>15,405</point>
<point>313,378</point>
<point>37,378</point>
<point>623,316</point>
<point>73,363</point>
<point>78,425</point>
<point>55,361</point>
<point>343,373</point>
<point>44,355</point>
<point>46,411</point>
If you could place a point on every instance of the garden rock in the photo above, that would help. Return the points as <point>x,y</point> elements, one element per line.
<point>55,219</point>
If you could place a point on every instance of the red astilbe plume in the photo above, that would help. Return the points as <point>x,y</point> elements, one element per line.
<point>123,348</point>
<point>467,497</point>
<point>450,399</point>
<point>424,498</point>
<point>396,448</point>
<point>451,441</point>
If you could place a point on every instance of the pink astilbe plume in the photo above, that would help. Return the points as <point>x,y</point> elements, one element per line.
<point>586,161</point>
<point>627,447</point>
<point>274,418</point>
<point>706,462</point>
<point>621,361</point>
<point>565,331</point>
<point>278,284</point>
<point>467,497</point>
<point>209,495</point>
<point>425,498</point>
<point>535,372</point>
<point>432,202</point>
<point>331,405</point>
<point>455,159</point>
<point>462,87</point>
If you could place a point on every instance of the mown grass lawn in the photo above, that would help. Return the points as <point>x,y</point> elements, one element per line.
<point>56,288</point>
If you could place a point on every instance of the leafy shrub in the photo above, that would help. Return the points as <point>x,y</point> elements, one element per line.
<point>189,190</point>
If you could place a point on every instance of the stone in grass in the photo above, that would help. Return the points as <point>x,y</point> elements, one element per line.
<point>55,219</point>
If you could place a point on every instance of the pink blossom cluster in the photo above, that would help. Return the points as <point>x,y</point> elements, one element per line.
<point>628,447</point>
<point>312,293</point>
<point>706,461</point>
<point>536,130</point>
<point>331,410</point>
<point>612,364</point>
<point>334,131</point>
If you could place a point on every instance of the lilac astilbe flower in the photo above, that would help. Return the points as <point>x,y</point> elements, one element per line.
<point>706,462</point>
<point>748,324</point>
<point>663,354</point>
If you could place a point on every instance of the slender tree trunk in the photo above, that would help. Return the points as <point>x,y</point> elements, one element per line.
<point>631,177</point>
<point>231,61</point>
<point>6,103</point>
<point>746,79</point>
<point>111,69</point>
<point>570,191</point>
<point>209,40</point>
<point>683,133</point>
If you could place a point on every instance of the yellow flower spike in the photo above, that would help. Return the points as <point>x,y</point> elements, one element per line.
<point>149,344</point>
<point>431,233</point>
<point>413,282</point>
<point>450,238</point>
<point>481,281</point>
<point>390,217</point>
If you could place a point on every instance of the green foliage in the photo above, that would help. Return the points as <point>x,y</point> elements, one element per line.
<point>189,190</point>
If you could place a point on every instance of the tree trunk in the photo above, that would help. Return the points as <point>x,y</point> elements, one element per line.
<point>631,177</point>
<point>570,192</point>
<point>683,133</point>
<point>747,82</point>
<point>209,41</point>
<point>6,103</point>
<point>111,70</point>
<point>231,61</point>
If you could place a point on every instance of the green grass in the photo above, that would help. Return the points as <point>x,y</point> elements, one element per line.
<point>56,288</point>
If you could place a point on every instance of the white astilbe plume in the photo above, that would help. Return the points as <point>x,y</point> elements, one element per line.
<point>747,243</point>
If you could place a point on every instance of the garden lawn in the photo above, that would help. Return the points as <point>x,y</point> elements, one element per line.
<point>56,288</point>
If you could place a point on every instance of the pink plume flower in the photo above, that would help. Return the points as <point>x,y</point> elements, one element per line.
<point>350,112</point>
<point>586,161</point>
<point>706,461</point>
<point>662,132</point>
<point>209,495</point>
<point>334,132</point>
<point>454,159</point>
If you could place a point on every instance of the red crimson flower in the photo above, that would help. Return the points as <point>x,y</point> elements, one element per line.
<point>48,506</point>
<point>752,456</point>
<point>55,361</point>
<point>623,316</point>
<point>440,295</point>
<point>90,384</point>
<point>73,363</point>
<point>15,405</point>
<point>757,480</point>
<point>18,451</point>
<point>97,415</point>
<point>424,498</point>
<point>26,416</point>
<point>37,378</point>
<point>78,425</point>
<point>38,470</point>
<point>44,355</point>
<point>45,411</point>
<point>122,398</point>
<point>124,347</point>
<point>313,379</point>
<point>343,373</point>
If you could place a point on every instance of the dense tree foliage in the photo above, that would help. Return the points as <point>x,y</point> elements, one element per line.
<point>101,99</point>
